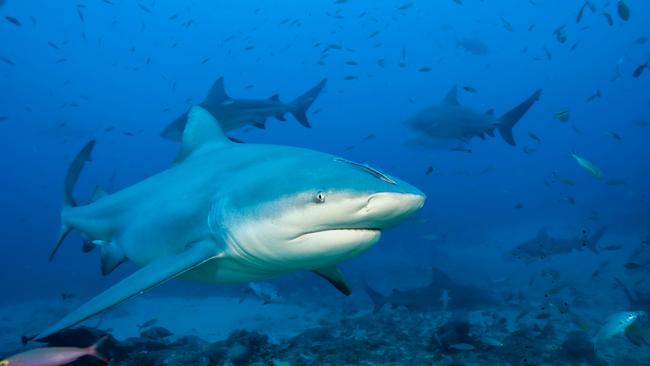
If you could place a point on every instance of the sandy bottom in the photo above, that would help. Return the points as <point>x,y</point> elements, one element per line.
<point>211,318</point>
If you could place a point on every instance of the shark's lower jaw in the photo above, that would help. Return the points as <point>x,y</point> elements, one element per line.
<point>340,244</point>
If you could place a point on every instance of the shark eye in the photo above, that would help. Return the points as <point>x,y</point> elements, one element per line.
<point>320,197</point>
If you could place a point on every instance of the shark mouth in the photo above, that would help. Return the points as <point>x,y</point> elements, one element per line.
<point>341,232</point>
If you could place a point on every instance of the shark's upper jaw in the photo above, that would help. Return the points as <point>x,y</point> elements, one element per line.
<point>362,227</point>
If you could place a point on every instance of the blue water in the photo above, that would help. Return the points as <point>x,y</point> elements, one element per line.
<point>135,71</point>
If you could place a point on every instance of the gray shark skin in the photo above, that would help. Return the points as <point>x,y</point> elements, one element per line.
<point>227,213</point>
<point>543,245</point>
<point>428,298</point>
<point>233,113</point>
<point>450,121</point>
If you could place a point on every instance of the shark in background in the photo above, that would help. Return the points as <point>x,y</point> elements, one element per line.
<point>449,121</point>
<point>228,213</point>
<point>234,113</point>
<point>543,245</point>
<point>442,293</point>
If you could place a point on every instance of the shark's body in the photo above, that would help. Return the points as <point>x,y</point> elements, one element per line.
<point>543,245</point>
<point>441,294</point>
<point>233,113</point>
<point>228,212</point>
<point>450,121</point>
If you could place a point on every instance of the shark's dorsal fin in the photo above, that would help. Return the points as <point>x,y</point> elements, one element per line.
<point>202,130</point>
<point>275,97</point>
<point>452,96</point>
<point>217,94</point>
<point>334,276</point>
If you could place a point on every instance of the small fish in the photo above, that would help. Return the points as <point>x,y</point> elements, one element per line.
<point>614,135</point>
<point>373,34</point>
<point>588,166</point>
<point>533,136</point>
<point>506,24</point>
<point>54,356</point>
<point>350,77</point>
<point>444,298</point>
<point>562,116</point>
<point>639,70</point>
<point>574,46</point>
<point>428,172</point>
<point>641,40</point>
<point>616,182</point>
<point>623,10</point>
<point>462,347</point>
<point>406,6</point>
<point>351,63</point>
<point>424,69</point>
<point>581,13</point>
<point>13,21</point>
<point>519,205</point>
<point>67,296</point>
<point>613,247</point>
<point>594,96</point>
<point>148,323</point>
<point>491,341</point>
<point>634,265</point>
<point>7,61</point>
<point>642,123</point>
<point>461,149</point>
<point>144,8</point>
<point>4,118</point>
<point>470,89</point>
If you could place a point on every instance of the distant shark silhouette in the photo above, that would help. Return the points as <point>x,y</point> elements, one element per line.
<point>236,113</point>
<point>450,121</point>
<point>442,293</point>
<point>543,245</point>
<point>227,212</point>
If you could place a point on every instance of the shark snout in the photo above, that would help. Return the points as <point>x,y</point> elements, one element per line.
<point>390,208</point>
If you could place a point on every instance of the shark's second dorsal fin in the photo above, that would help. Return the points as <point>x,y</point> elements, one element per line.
<point>201,130</point>
<point>452,96</point>
<point>217,94</point>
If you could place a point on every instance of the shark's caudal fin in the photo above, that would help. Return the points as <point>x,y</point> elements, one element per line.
<point>74,170</point>
<point>508,120</point>
<point>378,299</point>
<point>303,102</point>
<point>592,241</point>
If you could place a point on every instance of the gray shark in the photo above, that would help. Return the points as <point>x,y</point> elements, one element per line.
<point>543,245</point>
<point>450,121</point>
<point>441,294</point>
<point>237,113</point>
<point>227,213</point>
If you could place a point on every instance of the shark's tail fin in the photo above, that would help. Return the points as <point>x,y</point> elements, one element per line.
<point>508,120</point>
<point>303,102</point>
<point>378,299</point>
<point>74,170</point>
<point>592,241</point>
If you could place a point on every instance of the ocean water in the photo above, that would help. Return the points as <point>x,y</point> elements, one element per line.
<point>502,265</point>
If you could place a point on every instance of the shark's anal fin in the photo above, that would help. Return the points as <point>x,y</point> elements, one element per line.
<point>334,276</point>
<point>146,278</point>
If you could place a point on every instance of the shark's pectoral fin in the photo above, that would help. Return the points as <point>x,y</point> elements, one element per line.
<point>280,117</point>
<point>334,276</point>
<point>260,125</point>
<point>156,273</point>
<point>112,256</point>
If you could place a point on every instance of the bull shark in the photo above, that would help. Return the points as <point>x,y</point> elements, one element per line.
<point>543,245</point>
<point>233,113</point>
<point>450,121</point>
<point>227,213</point>
<point>441,294</point>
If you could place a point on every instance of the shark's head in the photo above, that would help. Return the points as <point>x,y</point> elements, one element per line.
<point>320,210</point>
